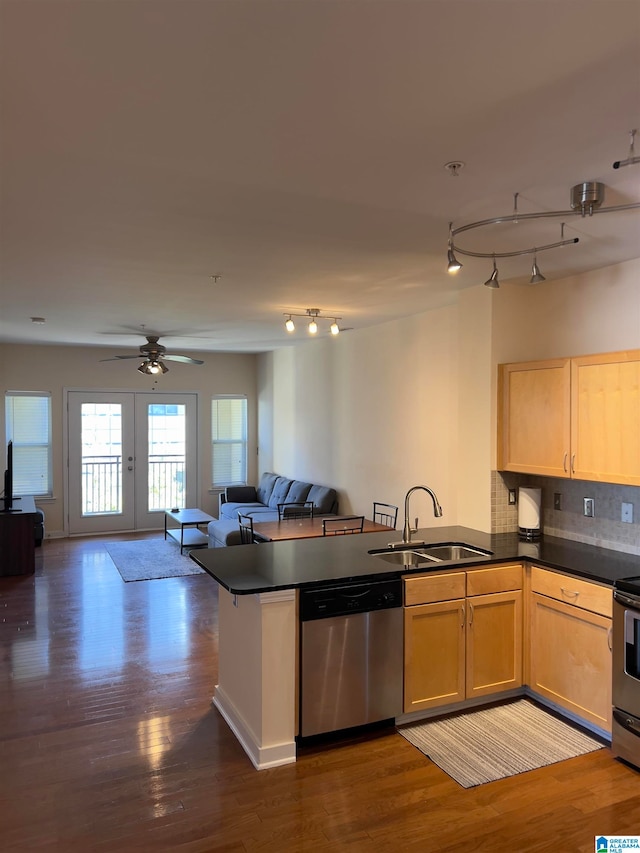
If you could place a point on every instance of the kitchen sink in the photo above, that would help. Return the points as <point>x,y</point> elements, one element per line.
<point>441,552</point>
<point>408,559</point>
<point>454,551</point>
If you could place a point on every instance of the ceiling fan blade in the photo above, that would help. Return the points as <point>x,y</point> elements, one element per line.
<point>185,359</point>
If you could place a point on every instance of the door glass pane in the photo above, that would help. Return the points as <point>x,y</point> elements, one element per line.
<point>167,456</point>
<point>101,439</point>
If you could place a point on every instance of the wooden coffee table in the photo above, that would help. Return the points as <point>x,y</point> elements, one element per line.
<point>188,534</point>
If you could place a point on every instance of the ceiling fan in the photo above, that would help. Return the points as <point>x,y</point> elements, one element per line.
<point>155,355</point>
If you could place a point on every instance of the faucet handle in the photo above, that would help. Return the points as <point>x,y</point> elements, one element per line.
<point>416,527</point>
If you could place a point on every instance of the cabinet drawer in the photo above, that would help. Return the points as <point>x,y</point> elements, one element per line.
<point>589,596</point>
<point>426,589</point>
<point>497,579</point>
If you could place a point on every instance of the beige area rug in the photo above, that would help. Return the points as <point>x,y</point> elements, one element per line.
<point>151,559</point>
<point>482,746</point>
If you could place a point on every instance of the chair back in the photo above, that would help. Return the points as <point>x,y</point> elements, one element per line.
<point>247,536</point>
<point>385,514</point>
<point>342,524</point>
<point>295,509</point>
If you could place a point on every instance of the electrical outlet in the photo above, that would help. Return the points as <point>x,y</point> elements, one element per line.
<point>627,513</point>
<point>557,500</point>
<point>512,497</point>
<point>588,507</point>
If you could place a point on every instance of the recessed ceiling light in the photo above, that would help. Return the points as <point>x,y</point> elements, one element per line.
<point>38,320</point>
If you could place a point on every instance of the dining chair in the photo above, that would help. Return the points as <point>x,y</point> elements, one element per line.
<point>295,509</point>
<point>386,514</point>
<point>247,535</point>
<point>342,524</point>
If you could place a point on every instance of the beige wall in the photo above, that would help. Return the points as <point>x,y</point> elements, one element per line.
<point>55,368</point>
<point>371,412</point>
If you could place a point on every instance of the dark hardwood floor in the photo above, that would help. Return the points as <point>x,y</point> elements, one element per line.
<point>109,742</point>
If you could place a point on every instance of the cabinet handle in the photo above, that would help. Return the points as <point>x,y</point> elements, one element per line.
<point>609,639</point>
<point>573,464</point>
<point>463,616</point>
<point>564,462</point>
<point>470,615</point>
<point>569,592</point>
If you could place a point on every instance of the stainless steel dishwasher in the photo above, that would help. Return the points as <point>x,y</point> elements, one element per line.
<point>351,655</point>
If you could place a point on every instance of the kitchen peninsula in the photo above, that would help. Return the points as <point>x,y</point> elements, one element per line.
<point>258,611</point>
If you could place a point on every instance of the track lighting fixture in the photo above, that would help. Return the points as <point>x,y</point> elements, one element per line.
<point>586,199</point>
<point>631,159</point>
<point>492,281</point>
<point>313,315</point>
<point>536,275</point>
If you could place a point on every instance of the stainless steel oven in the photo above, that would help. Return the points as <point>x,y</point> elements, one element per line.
<point>626,670</point>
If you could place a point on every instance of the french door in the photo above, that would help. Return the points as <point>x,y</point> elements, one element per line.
<point>131,456</point>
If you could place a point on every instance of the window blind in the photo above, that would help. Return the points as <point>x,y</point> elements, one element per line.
<point>28,425</point>
<point>229,440</point>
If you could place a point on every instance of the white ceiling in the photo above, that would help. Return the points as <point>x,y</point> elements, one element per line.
<point>297,150</point>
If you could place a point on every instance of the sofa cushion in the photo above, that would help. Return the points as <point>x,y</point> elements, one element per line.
<point>279,493</point>
<point>324,499</point>
<point>298,491</point>
<point>230,510</point>
<point>265,487</point>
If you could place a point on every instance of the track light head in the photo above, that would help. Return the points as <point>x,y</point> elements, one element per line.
<point>334,328</point>
<point>536,275</point>
<point>453,264</point>
<point>492,281</point>
<point>290,326</point>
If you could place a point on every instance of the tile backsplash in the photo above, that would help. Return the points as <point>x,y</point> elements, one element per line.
<point>605,529</point>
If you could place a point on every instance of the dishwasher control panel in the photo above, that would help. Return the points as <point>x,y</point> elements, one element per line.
<point>322,602</point>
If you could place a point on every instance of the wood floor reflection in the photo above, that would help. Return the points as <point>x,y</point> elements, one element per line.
<point>109,742</point>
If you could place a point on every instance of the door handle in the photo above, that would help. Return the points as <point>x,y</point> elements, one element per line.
<point>564,462</point>
<point>609,639</point>
<point>130,468</point>
<point>463,616</point>
<point>573,464</point>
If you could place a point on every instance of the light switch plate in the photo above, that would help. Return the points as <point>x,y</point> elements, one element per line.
<point>588,507</point>
<point>627,513</point>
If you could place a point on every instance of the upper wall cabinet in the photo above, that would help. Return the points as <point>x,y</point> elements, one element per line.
<point>577,417</point>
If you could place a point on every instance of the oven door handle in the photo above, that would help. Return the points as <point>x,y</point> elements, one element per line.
<point>627,722</point>
<point>624,599</point>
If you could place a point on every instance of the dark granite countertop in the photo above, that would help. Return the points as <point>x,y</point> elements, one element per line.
<point>296,563</point>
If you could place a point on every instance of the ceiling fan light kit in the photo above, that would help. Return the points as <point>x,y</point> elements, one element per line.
<point>586,198</point>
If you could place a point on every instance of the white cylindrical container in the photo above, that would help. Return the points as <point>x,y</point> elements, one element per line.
<point>529,513</point>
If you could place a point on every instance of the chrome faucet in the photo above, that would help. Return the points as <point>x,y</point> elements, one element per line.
<point>437,511</point>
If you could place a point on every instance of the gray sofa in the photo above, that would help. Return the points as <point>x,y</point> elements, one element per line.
<point>261,502</point>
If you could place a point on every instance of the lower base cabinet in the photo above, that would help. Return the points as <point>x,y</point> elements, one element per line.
<point>458,644</point>
<point>570,645</point>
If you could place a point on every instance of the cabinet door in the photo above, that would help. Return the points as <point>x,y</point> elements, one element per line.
<point>434,654</point>
<point>534,417</point>
<point>605,405</point>
<point>571,658</point>
<point>494,643</point>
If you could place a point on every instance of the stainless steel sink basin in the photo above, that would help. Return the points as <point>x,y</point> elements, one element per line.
<point>408,559</point>
<point>453,551</point>
<point>441,552</point>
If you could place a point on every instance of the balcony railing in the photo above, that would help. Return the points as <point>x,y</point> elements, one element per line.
<point>102,483</point>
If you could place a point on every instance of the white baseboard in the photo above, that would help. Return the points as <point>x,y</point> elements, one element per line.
<point>261,757</point>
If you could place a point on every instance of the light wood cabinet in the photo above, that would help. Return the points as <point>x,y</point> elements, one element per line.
<point>573,417</point>
<point>570,644</point>
<point>534,420</point>
<point>459,644</point>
